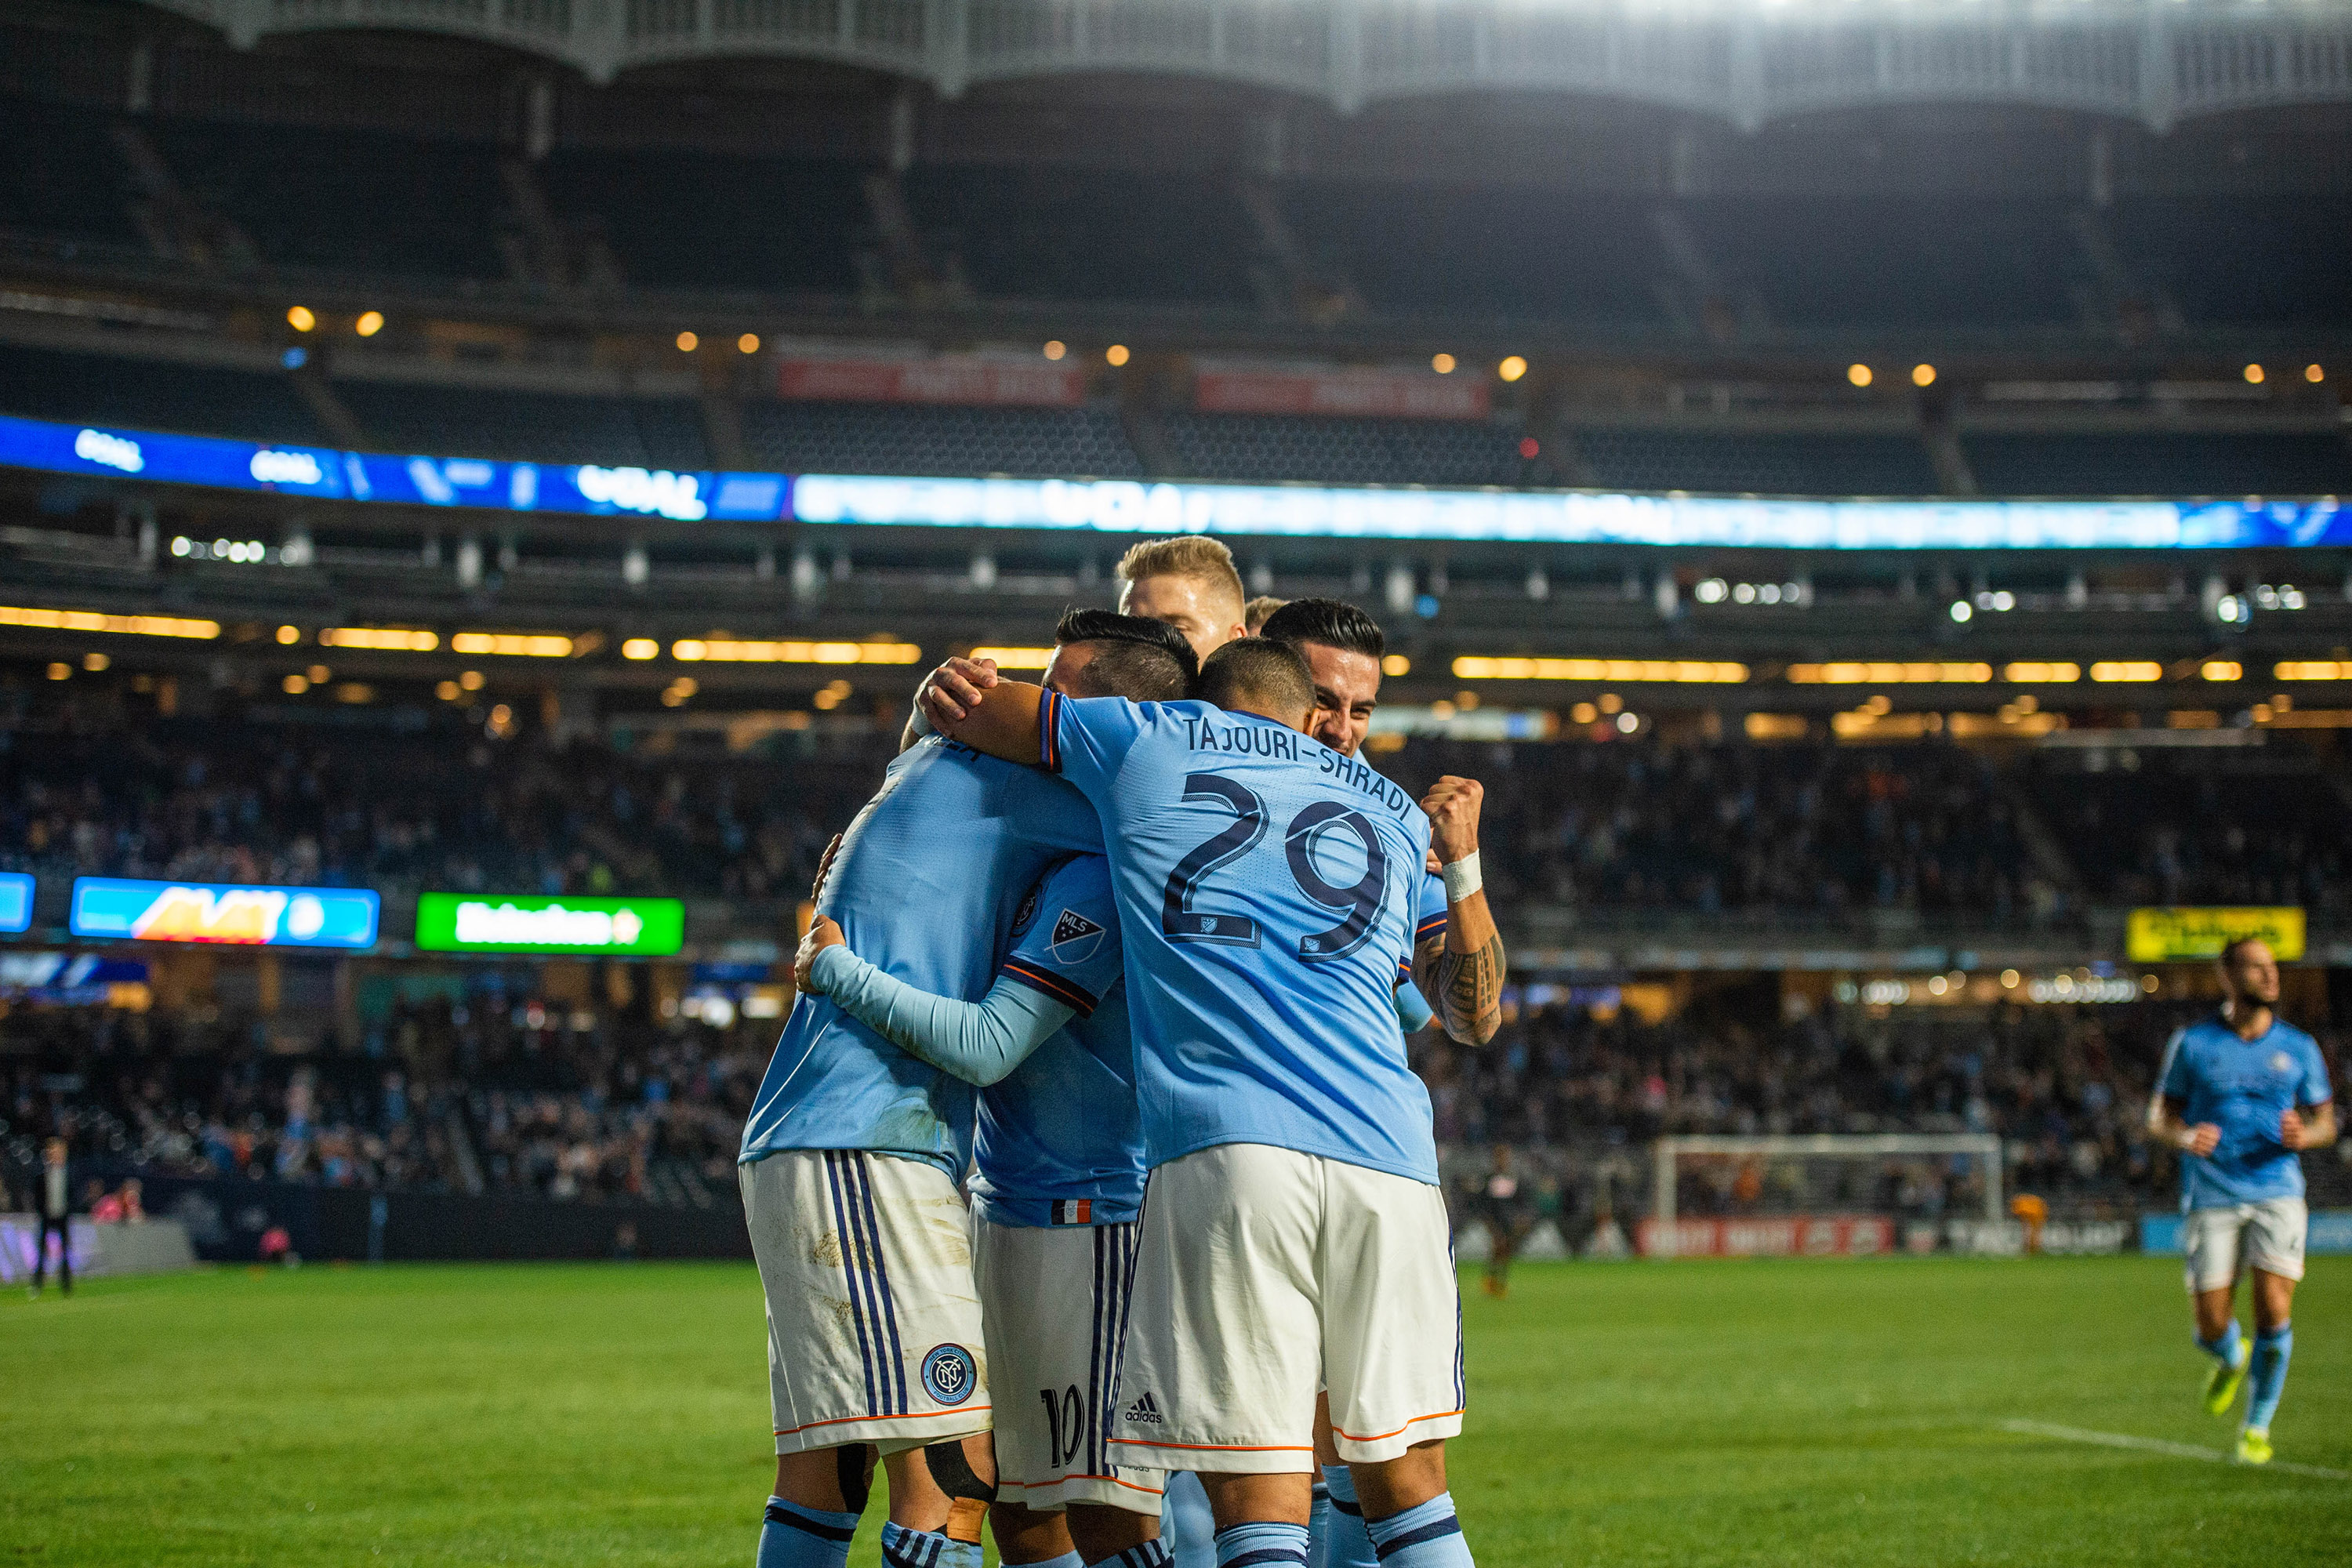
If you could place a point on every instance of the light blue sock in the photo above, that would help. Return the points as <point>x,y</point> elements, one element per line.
<point>1343,1542</point>
<point>904,1548</point>
<point>1318,1521</point>
<point>1428,1536</point>
<point>1144,1554</point>
<point>2225,1350</point>
<point>797,1537</point>
<point>1262,1543</point>
<point>1187,1528</point>
<point>1069,1559</point>
<point>2272,1349</point>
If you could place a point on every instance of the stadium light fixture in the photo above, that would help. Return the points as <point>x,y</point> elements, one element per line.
<point>640,648</point>
<point>60,671</point>
<point>448,692</point>
<point>319,673</point>
<point>370,324</point>
<point>2222,669</point>
<point>1056,348</point>
<point>749,343</point>
<point>1442,364</point>
<point>511,645</point>
<point>1676,671</point>
<point>96,663</point>
<point>1583,713</point>
<point>299,318</point>
<point>469,680</point>
<point>1396,664</point>
<point>1923,375</point>
<point>295,685</point>
<point>288,636</point>
<point>728,651</point>
<point>2033,673</point>
<point>1511,369</point>
<point>2314,374</point>
<point>2253,375</point>
<point>381,640</point>
<point>92,621</point>
<point>1858,373</point>
<point>1889,674</point>
<point>2314,669</point>
<point>1962,611</point>
<point>2126,671</point>
<point>1529,447</point>
<point>1116,354</point>
<point>688,342</point>
<point>1015,657</point>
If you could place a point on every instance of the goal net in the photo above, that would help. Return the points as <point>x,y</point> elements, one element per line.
<point>1824,1194</point>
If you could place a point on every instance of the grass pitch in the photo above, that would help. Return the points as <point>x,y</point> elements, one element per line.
<point>1693,1413</point>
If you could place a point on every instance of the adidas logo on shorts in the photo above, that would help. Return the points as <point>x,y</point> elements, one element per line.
<point>1144,1411</point>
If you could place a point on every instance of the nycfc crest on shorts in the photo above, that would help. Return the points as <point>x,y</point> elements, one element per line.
<point>949,1374</point>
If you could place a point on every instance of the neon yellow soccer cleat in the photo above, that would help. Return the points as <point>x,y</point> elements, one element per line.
<point>2255,1447</point>
<point>2221,1385</point>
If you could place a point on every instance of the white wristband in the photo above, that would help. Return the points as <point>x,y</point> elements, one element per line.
<point>1462,878</point>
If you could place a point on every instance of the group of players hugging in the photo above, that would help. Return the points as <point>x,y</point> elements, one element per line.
<point>1139,947</point>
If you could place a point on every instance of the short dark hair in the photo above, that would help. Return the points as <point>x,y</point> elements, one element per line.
<point>1259,670</point>
<point>1141,660</point>
<point>1334,622</point>
<point>2229,949</point>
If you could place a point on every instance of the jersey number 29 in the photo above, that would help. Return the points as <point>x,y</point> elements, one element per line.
<point>1362,899</point>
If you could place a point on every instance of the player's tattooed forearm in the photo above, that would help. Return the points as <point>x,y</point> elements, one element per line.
<point>1470,991</point>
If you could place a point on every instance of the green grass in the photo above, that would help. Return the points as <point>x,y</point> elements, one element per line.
<point>1813,1413</point>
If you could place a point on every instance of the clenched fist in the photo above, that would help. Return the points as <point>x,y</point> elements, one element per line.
<point>1453,806</point>
<point>821,934</point>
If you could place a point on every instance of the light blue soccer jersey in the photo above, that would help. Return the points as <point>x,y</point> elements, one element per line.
<point>1060,1140</point>
<point>2242,1087</point>
<point>1268,891</point>
<point>926,886</point>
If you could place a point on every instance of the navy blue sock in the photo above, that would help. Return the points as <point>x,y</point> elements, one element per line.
<point>1343,1542</point>
<point>797,1537</point>
<point>904,1548</point>
<point>1143,1555</point>
<point>2272,1349</point>
<point>1426,1536</point>
<point>1262,1543</point>
<point>2225,1349</point>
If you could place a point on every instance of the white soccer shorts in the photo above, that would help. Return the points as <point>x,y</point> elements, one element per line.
<point>1054,1301</point>
<point>874,1330</point>
<point>2268,1235</point>
<point>1264,1274</point>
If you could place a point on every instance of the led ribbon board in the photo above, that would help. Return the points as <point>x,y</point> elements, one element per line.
<point>2162,935</point>
<point>500,922</point>
<point>1127,506</point>
<point>15,901</point>
<point>223,912</point>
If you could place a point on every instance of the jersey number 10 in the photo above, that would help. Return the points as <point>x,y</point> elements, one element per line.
<point>1179,921</point>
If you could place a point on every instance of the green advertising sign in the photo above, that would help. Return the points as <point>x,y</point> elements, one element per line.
<point>502,923</point>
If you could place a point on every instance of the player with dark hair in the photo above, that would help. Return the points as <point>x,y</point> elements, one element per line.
<point>854,1148</point>
<point>1294,1234</point>
<point>2241,1094</point>
<point>1058,1153</point>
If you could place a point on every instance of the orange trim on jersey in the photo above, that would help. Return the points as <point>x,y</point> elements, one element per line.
<point>1227,1448</point>
<point>1033,1486</point>
<point>1352,1438</point>
<point>845,1420</point>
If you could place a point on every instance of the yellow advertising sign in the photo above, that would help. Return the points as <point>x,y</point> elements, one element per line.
<point>2157,936</point>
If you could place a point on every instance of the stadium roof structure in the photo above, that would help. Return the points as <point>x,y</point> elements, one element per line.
<point>1750,61</point>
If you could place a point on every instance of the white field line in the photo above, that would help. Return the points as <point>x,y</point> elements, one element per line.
<point>2158,1446</point>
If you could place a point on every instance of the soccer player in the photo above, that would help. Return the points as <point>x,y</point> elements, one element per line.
<point>853,1151</point>
<point>1255,613</point>
<point>1293,1233</point>
<point>1060,1176</point>
<point>2241,1096</point>
<point>1189,583</point>
<point>1344,648</point>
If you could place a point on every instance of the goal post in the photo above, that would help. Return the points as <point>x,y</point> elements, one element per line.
<point>1668,1154</point>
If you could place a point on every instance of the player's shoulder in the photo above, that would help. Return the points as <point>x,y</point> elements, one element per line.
<point>1079,877</point>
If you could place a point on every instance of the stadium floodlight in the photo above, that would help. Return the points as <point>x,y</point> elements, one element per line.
<point>1786,1175</point>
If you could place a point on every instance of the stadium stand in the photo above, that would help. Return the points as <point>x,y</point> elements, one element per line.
<point>716,221</point>
<point>77,191</point>
<point>2242,258</point>
<point>874,438</point>
<point>1886,464</point>
<point>155,395</point>
<point>342,199</point>
<point>1342,451</point>
<point>1073,233</point>
<point>659,433</point>
<point>2153,464</point>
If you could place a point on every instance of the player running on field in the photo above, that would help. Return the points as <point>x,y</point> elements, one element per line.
<point>2241,1094</point>
<point>1059,1153</point>
<point>1293,1234</point>
<point>1344,648</point>
<point>853,1151</point>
